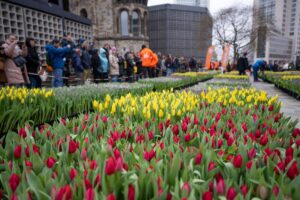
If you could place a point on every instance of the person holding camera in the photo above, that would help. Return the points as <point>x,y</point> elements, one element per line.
<point>14,62</point>
<point>57,56</point>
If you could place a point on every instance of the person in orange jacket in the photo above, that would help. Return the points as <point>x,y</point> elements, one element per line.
<point>149,61</point>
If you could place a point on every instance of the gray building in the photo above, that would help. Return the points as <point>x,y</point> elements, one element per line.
<point>43,20</point>
<point>282,42</point>
<point>180,30</point>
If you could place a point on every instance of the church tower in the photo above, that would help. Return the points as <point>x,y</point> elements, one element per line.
<point>121,23</point>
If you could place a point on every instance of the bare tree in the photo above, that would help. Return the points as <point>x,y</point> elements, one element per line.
<point>234,26</point>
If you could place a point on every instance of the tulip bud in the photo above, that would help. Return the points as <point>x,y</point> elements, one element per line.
<point>262,192</point>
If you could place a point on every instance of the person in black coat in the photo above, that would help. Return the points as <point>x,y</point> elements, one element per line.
<point>130,65</point>
<point>243,64</point>
<point>33,64</point>
<point>95,63</point>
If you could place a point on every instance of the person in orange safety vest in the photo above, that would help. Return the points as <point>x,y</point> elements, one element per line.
<point>149,61</point>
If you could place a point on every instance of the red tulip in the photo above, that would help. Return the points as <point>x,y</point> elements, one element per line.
<point>296,132</point>
<point>22,133</point>
<point>249,164</point>
<point>276,190</point>
<point>28,164</point>
<point>162,145</point>
<point>289,152</point>
<point>119,164</point>
<point>231,193</point>
<point>244,190</point>
<point>220,143</point>
<point>279,168</point>
<point>14,182</point>
<point>221,187</point>
<point>186,187</point>
<point>298,143</point>
<point>97,180</point>
<point>111,197</point>
<point>89,194</point>
<point>18,151</point>
<point>110,166</point>
<point>187,137</point>
<point>73,146</point>
<point>149,155</point>
<point>196,121</point>
<point>211,166</point>
<point>244,127</point>
<point>251,153</point>
<point>83,154</point>
<point>27,151</point>
<point>93,164</point>
<point>293,171</point>
<point>264,140</point>
<point>175,129</point>
<point>150,135</point>
<point>104,119</point>
<point>207,196</point>
<point>14,197</point>
<point>161,126</point>
<point>50,162</point>
<point>238,161</point>
<point>271,108</point>
<point>131,192</point>
<point>184,126</point>
<point>35,149</point>
<point>87,183</point>
<point>198,159</point>
<point>117,153</point>
<point>230,141</point>
<point>72,173</point>
<point>176,139</point>
<point>64,193</point>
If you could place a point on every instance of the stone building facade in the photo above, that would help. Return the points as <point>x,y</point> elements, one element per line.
<point>121,23</point>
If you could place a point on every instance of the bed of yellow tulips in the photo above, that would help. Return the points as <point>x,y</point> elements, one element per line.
<point>172,105</point>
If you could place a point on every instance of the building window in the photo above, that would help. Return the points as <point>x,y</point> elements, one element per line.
<point>83,13</point>
<point>124,23</point>
<point>135,25</point>
<point>144,24</point>
<point>66,5</point>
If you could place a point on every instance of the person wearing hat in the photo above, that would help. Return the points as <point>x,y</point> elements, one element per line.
<point>57,55</point>
<point>114,64</point>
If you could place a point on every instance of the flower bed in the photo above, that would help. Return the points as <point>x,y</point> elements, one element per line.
<point>228,144</point>
<point>288,81</point>
<point>192,74</point>
<point>176,82</point>
<point>216,85</point>
<point>232,76</point>
<point>19,105</point>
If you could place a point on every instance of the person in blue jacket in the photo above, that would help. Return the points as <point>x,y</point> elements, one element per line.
<point>104,66</point>
<point>256,67</point>
<point>57,57</point>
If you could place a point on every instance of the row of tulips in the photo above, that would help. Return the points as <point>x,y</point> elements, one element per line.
<point>242,149</point>
<point>289,81</point>
<point>179,80</point>
<point>20,105</point>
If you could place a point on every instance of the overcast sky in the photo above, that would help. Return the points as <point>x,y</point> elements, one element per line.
<point>215,5</point>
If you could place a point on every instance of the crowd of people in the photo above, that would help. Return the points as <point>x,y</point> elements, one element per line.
<point>23,66</point>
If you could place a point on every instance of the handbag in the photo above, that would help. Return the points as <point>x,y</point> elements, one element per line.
<point>19,61</point>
